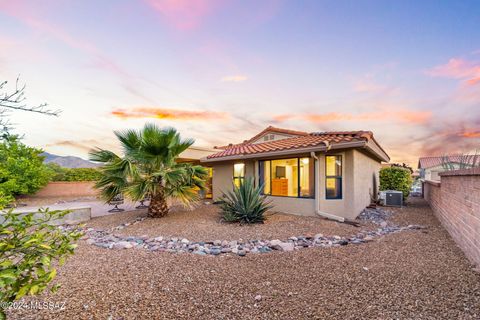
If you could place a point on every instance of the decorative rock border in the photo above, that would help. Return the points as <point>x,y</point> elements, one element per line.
<point>105,239</point>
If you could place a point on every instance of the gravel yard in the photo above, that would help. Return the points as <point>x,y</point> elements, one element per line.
<point>203,224</point>
<point>415,274</point>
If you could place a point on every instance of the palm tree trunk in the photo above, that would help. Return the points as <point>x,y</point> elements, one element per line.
<point>158,205</point>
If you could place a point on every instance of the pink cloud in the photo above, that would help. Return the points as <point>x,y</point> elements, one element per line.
<point>457,68</point>
<point>184,14</point>
<point>399,115</point>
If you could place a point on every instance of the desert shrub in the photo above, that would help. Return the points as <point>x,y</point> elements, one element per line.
<point>5,199</point>
<point>29,249</point>
<point>245,204</point>
<point>396,178</point>
<point>73,174</point>
<point>21,169</point>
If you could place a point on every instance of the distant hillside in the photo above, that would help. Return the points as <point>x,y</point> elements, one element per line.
<point>68,161</point>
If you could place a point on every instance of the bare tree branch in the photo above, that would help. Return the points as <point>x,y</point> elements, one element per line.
<point>16,100</point>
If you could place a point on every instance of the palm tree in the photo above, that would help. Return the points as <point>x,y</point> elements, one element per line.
<point>148,169</point>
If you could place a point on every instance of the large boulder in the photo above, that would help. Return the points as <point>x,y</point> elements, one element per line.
<point>282,246</point>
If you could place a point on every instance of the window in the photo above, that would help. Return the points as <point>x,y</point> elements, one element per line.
<point>269,137</point>
<point>307,176</point>
<point>333,177</point>
<point>238,173</point>
<point>265,174</point>
<point>208,184</point>
<point>287,177</point>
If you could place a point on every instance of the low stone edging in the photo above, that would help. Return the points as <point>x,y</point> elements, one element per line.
<point>105,239</point>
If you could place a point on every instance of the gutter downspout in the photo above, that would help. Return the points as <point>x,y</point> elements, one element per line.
<point>317,190</point>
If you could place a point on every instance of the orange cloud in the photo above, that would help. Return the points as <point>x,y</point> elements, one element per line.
<point>184,14</point>
<point>410,116</point>
<point>470,134</point>
<point>402,115</point>
<point>283,117</point>
<point>234,78</point>
<point>457,68</point>
<point>169,114</point>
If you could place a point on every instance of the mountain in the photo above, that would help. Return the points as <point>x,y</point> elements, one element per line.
<point>68,161</point>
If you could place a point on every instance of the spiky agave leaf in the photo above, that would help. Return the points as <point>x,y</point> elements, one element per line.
<point>245,204</point>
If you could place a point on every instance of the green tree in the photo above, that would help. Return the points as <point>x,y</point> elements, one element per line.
<point>21,168</point>
<point>30,247</point>
<point>148,169</point>
<point>73,174</point>
<point>396,178</point>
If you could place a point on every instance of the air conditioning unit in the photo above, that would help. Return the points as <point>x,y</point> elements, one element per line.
<point>391,198</point>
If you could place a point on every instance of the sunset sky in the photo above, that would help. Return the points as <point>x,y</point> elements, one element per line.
<point>221,71</point>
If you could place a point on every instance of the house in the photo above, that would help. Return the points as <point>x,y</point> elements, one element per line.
<point>193,155</point>
<point>334,174</point>
<point>430,167</point>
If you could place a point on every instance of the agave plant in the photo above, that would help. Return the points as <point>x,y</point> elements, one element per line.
<point>245,204</point>
<point>148,169</point>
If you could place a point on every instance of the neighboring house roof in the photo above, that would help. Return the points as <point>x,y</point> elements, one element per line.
<point>196,153</point>
<point>299,142</point>
<point>430,162</point>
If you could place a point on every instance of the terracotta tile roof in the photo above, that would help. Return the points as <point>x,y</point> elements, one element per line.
<point>300,141</point>
<point>429,162</point>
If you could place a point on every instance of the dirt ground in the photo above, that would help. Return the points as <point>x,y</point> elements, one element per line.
<point>417,274</point>
<point>204,224</point>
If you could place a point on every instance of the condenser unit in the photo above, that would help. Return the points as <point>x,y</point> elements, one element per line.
<point>391,198</point>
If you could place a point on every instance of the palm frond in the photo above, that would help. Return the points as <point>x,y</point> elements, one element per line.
<point>103,156</point>
<point>148,166</point>
<point>130,139</point>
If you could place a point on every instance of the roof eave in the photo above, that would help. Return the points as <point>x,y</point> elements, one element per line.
<point>344,145</point>
<point>378,151</point>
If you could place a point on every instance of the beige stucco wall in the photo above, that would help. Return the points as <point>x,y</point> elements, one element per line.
<point>222,179</point>
<point>298,206</point>
<point>433,172</point>
<point>366,181</point>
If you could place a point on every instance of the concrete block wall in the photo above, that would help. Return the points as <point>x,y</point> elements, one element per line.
<point>67,189</point>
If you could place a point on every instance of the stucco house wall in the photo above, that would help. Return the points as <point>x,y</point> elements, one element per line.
<point>298,206</point>
<point>222,179</point>
<point>358,172</point>
<point>366,181</point>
